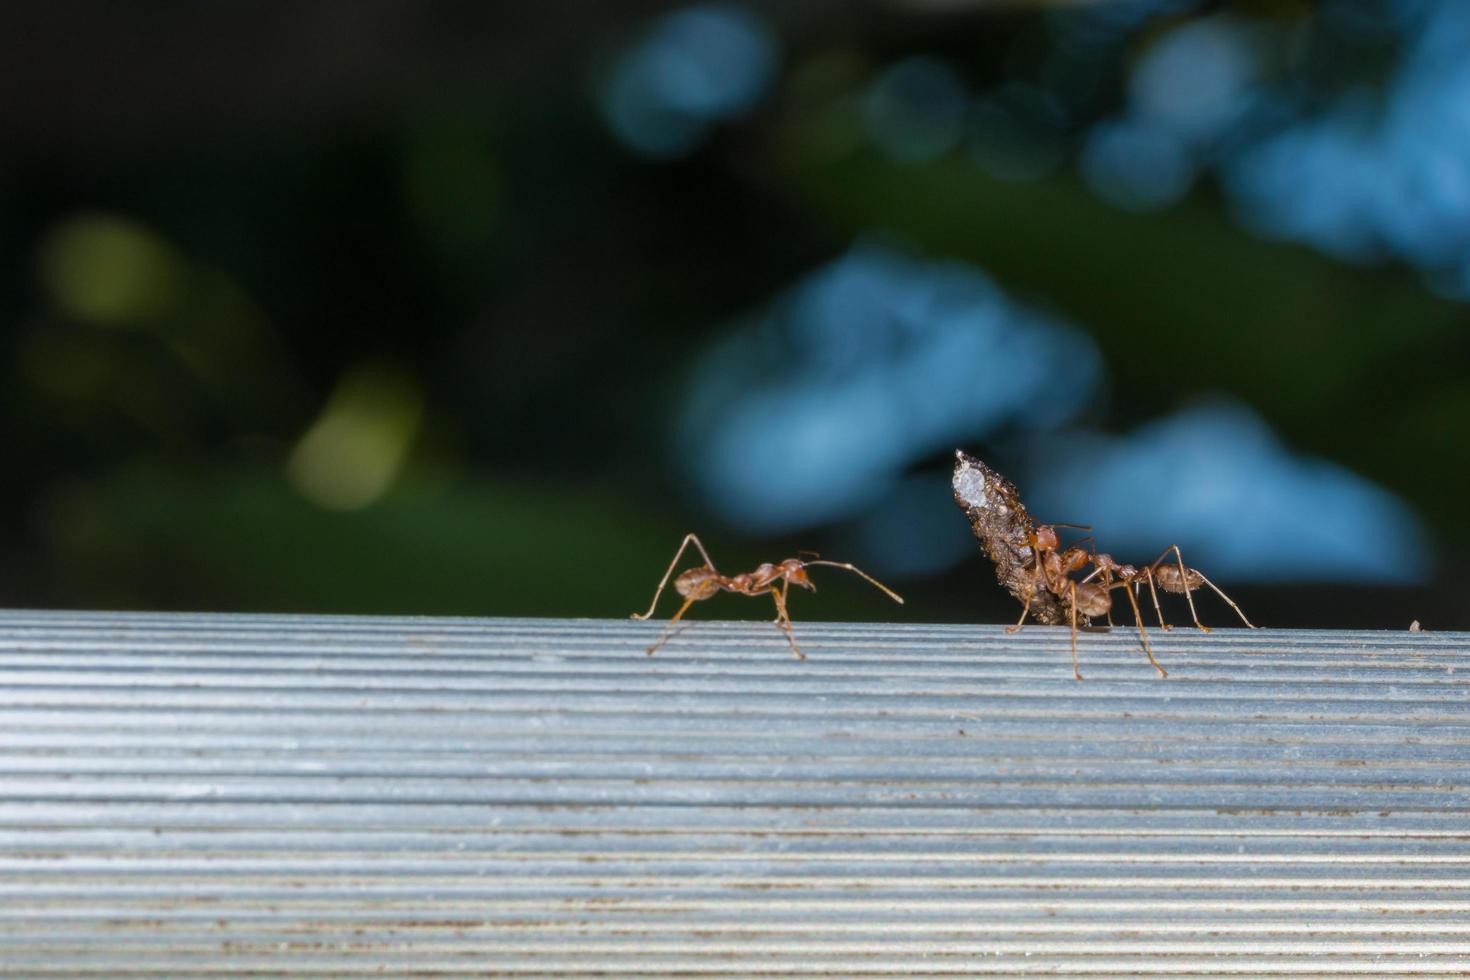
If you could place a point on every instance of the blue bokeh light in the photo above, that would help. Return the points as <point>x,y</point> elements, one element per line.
<point>1188,94</point>
<point>910,530</point>
<point>694,68</point>
<point>1199,80</point>
<point>1215,480</point>
<point>815,412</point>
<point>810,414</point>
<point>915,109</point>
<point>1135,164</point>
<point>1363,173</point>
<point>1377,174</point>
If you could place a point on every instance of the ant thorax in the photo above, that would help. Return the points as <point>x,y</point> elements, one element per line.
<point>1005,530</point>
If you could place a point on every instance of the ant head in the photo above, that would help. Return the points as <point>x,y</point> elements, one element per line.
<point>698,583</point>
<point>1044,538</point>
<point>794,571</point>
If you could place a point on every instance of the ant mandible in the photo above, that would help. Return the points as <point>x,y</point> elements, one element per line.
<point>703,581</point>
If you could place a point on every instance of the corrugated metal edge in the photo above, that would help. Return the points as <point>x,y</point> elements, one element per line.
<point>185,794</point>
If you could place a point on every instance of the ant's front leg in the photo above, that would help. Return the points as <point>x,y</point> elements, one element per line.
<point>1075,671</point>
<point>783,618</point>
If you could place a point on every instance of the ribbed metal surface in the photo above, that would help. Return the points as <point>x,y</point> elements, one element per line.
<point>226,794</point>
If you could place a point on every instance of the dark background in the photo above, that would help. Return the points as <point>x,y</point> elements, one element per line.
<point>477,308</point>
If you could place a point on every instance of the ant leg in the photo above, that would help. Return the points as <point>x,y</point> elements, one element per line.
<point>688,539</point>
<point>670,627</point>
<point>1075,672</point>
<point>1107,577</point>
<point>1107,580</point>
<point>785,587</point>
<point>1038,572</point>
<point>1143,633</point>
<point>783,619</point>
<point>1038,568</point>
<point>1155,593</point>
<point>1227,600</point>
<point>1024,610</point>
<point>1184,580</point>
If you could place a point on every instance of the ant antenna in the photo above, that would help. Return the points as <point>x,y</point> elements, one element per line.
<point>853,568</point>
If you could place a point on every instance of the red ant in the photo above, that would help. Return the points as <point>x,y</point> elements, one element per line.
<point>1171,576</point>
<point>1175,577</point>
<point>1031,566</point>
<point>1050,569</point>
<point>702,582</point>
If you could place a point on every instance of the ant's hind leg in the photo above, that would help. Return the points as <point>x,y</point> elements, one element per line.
<point>670,627</point>
<point>688,540</point>
<point>1184,580</point>
<point>783,619</point>
<point>1227,599</point>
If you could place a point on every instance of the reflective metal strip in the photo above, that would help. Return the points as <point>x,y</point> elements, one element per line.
<point>188,794</point>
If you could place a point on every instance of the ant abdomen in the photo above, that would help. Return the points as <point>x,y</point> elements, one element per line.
<point>697,583</point>
<point>1092,599</point>
<point>1170,579</point>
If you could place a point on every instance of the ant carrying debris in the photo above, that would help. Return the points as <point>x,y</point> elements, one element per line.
<point>1030,564</point>
<point>703,581</point>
